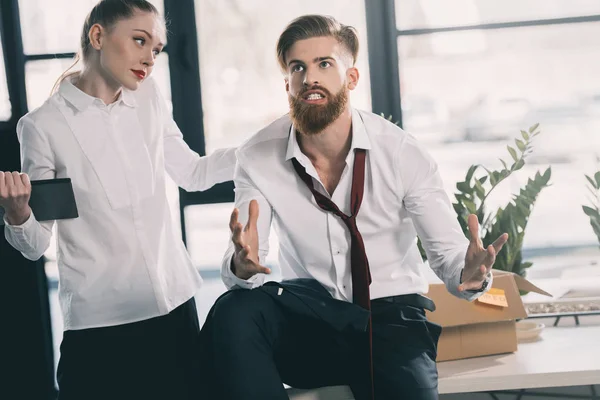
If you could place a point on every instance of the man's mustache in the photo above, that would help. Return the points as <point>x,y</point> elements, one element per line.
<point>316,87</point>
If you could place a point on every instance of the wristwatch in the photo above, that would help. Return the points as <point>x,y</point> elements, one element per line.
<point>484,285</point>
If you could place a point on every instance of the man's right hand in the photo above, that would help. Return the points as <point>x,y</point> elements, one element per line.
<point>245,262</point>
<point>15,190</point>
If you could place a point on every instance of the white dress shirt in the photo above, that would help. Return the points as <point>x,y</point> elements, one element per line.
<point>122,260</point>
<point>403,196</point>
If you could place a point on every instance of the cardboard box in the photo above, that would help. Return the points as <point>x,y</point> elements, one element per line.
<point>482,327</point>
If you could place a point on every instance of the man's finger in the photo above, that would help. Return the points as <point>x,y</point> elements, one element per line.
<point>263,270</point>
<point>236,238</point>
<point>501,241</point>
<point>233,219</point>
<point>473,227</point>
<point>252,214</point>
<point>250,264</point>
<point>259,269</point>
<point>490,257</point>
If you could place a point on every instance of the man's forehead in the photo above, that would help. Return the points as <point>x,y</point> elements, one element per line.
<point>309,49</point>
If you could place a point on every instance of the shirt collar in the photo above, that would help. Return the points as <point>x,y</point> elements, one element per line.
<point>360,138</point>
<point>82,100</point>
<point>128,98</point>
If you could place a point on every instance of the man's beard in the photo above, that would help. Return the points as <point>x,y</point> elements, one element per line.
<point>312,119</point>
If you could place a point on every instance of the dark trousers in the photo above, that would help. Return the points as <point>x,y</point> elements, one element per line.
<point>152,359</point>
<point>257,344</point>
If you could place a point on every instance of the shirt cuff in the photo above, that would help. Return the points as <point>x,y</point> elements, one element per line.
<point>471,295</point>
<point>21,227</point>
<point>231,280</point>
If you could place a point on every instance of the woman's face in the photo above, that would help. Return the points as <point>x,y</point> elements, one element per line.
<point>127,50</point>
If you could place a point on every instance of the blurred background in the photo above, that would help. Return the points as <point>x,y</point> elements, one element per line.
<point>463,76</point>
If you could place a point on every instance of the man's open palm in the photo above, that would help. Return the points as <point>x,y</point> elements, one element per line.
<point>245,239</point>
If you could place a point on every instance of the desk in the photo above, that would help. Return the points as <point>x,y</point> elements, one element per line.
<point>565,356</point>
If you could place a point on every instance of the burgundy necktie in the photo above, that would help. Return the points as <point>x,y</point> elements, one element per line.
<point>361,275</point>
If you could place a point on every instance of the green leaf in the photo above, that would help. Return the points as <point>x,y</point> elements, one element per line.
<point>589,211</point>
<point>513,153</point>
<point>533,128</point>
<point>547,174</point>
<point>503,163</point>
<point>591,181</point>
<point>470,172</point>
<point>525,135</point>
<point>470,206</point>
<point>520,145</point>
<point>597,176</point>
<point>479,190</point>
<point>463,187</point>
<point>519,164</point>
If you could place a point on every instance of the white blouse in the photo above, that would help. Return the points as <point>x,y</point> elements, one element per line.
<point>122,260</point>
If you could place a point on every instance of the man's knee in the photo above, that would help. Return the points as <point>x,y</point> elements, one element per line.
<point>238,311</point>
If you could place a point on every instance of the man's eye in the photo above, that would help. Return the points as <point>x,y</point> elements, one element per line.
<point>325,64</point>
<point>141,41</point>
<point>297,68</point>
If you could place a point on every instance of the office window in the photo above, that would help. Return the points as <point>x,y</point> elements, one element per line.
<point>415,14</point>
<point>40,77</point>
<point>5,107</point>
<point>469,93</point>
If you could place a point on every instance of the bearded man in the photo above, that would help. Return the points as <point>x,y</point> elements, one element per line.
<point>347,192</point>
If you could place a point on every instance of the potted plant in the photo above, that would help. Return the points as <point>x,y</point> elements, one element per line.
<point>480,182</point>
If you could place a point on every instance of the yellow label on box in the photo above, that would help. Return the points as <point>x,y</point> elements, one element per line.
<point>495,297</point>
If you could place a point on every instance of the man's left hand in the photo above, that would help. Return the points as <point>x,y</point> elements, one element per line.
<point>479,260</point>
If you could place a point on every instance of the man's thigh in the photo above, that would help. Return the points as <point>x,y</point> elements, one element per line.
<point>311,354</point>
<point>258,334</point>
<point>404,352</point>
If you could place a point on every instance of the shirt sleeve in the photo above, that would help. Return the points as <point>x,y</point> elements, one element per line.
<point>32,238</point>
<point>245,191</point>
<point>187,168</point>
<point>432,214</point>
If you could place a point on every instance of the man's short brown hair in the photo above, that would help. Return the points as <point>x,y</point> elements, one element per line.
<point>309,26</point>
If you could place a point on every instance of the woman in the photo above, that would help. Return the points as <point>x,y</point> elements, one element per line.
<point>127,284</point>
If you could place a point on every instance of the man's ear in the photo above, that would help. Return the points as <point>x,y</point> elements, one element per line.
<point>352,76</point>
<point>287,85</point>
